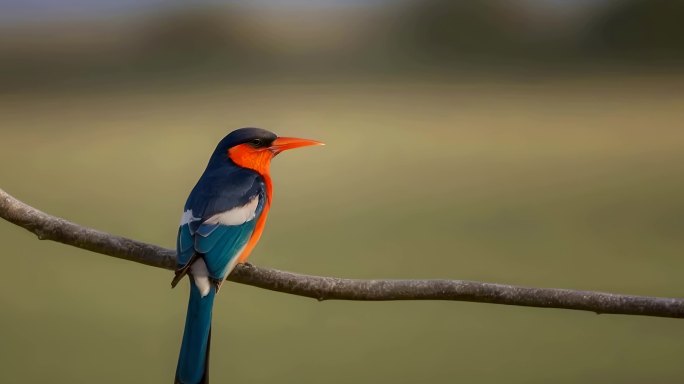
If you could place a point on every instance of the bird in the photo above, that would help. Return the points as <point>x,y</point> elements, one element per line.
<point>222,221</point>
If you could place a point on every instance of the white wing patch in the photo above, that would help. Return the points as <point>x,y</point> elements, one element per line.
<point>188,218</point>
<point>200,274</point>
<point>237,215</point>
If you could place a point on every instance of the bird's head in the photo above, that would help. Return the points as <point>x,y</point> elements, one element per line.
<point>254,148</point>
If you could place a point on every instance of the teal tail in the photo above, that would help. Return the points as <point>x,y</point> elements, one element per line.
<point>193,361</point>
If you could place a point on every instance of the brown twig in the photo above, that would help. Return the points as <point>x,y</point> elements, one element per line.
<point>48,227</point>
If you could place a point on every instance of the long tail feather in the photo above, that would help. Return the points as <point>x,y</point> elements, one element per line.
<point>193,361</point>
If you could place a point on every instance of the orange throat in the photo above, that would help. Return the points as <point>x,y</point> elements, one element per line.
<point>259,160</point>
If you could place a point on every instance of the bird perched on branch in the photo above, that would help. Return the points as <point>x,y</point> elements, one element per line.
<point>223,219</point>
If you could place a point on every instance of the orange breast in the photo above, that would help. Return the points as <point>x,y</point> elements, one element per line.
<point>259,160</point>
<point>260,224</point>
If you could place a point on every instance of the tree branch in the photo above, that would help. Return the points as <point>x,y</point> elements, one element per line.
<point>48,227</point>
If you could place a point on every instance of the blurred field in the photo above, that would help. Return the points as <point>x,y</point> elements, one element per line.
<point>574,184</point>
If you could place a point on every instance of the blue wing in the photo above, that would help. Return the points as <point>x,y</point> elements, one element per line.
<point>218,221</point>
<point>218,244</point>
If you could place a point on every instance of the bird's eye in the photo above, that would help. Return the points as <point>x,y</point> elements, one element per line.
<point>256,142</point>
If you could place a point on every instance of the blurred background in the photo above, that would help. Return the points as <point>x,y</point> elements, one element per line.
<point>534,142</point>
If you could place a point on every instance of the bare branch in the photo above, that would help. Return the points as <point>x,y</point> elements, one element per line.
<point>48,227</point>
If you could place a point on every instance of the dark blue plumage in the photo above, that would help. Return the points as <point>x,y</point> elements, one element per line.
<point>193,360</point>
<point>223,219</point>
<point>224,187</point>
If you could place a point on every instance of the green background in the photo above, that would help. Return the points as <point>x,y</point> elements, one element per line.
<point>564,183</point>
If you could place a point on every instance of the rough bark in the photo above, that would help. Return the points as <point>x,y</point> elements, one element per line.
<point>48,227</point>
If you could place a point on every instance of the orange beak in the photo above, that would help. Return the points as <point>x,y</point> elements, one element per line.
<point>284,143</point>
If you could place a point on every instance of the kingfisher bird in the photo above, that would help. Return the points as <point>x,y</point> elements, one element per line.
<point>223,219</point>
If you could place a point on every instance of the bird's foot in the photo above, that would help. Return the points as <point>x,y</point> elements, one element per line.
<point>217,283</point>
